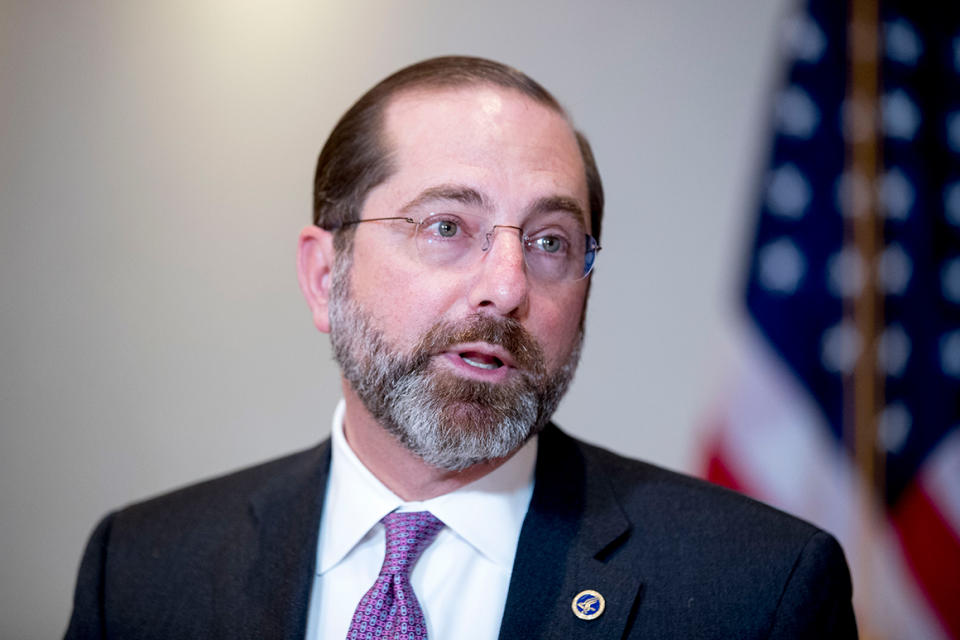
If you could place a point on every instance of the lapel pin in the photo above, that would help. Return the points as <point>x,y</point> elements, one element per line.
<point>588,604</point>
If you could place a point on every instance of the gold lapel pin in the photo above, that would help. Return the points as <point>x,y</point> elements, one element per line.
<point>588,604</point>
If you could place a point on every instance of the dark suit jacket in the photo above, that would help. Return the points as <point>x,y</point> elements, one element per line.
<point>673,557</point>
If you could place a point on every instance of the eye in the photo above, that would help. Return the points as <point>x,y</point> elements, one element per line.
<point>444,226</point>
<point>447,228</point>
<point>549,244</point>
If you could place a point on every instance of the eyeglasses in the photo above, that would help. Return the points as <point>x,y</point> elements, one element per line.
<point>554,250</point>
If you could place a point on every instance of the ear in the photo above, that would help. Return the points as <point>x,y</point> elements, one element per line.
<point>315,257</point>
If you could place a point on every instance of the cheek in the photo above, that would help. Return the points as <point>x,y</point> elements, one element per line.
<point>402,300</point>
<point>556,326</point>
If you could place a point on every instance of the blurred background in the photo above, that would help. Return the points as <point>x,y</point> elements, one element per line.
<point>156,162</point>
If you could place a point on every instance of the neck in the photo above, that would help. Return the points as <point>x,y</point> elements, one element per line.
<point>394,465</point>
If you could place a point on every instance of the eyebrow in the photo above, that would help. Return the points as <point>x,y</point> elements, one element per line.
<point>564,204</point>
<point>471,197</point>
<point>455,192</point>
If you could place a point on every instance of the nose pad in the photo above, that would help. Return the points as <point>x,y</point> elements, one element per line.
<point>503,281</point>
<point>488,236</point>
<point>487,241</point>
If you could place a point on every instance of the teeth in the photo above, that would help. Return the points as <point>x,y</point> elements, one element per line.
<point>478,364</point>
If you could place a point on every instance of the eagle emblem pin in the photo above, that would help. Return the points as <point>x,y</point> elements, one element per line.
<point>588,604</point>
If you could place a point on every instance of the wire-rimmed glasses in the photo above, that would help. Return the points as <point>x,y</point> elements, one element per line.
<point>555,249</point>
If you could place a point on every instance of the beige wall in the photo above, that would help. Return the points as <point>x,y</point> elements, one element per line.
<point>155,168</point>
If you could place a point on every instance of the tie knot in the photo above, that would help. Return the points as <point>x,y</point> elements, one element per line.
<point>408,534</point>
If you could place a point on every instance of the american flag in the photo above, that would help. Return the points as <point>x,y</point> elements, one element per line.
<point>791,428</point>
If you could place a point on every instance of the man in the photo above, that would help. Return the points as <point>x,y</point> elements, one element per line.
<point>456,218</point>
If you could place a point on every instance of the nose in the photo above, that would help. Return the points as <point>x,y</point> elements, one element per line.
<point>501,285</point>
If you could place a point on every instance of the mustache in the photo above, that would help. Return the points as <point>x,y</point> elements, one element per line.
<point>505,332</point>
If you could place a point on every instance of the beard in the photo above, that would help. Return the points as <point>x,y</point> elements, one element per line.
<point>448,421</point>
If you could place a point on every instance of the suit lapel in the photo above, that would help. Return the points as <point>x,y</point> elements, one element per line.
<point>280,573</point>
<point>569,542</point>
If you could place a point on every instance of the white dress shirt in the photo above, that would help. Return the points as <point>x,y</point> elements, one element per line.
<point>461,580</point>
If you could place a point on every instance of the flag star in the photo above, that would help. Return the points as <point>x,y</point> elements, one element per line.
<point>953,131</point>
<point>788,192</point>
<point>893,427</point>
<point>900,115</point>
<point>894,270</point>
<point>845,273</point>
<point>950,280</point>
<point>797,115</point>
<point>896,194</point>
<point>902,43</point>
<point>951,203</point>
<point>840,347</point>
<point>803,38</point>
<point>781,266</point>
<point>893,350</point>
<point>950,353</point>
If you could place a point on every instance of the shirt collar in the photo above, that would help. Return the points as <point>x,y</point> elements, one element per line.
<point>487,513</point>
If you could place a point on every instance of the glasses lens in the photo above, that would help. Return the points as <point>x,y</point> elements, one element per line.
<point>448,239</point>
<point>590,256</point>
<point>554,250</point>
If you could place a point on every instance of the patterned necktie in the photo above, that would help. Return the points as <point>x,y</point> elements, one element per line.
<point>390,609</point>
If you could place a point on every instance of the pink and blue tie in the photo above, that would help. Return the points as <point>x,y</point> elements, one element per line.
<point>389,610</point>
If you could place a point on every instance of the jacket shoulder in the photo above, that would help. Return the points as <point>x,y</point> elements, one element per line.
<point>681,501</point>
<point>209,501</point>
<point>218,558</point>
<point>714,563</point>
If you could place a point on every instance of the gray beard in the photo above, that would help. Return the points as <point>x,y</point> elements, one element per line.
<point>448,421</point>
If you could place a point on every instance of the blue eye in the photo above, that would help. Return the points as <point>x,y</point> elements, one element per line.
<point>444,226</point>
<point>447,228</point>
<point>549,244</point>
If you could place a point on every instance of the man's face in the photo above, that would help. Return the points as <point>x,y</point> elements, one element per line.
<point>462,365</point>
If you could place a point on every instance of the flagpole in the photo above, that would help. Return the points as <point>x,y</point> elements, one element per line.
<point>865,231</point>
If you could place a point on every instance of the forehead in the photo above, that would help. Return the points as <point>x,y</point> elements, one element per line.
<point>494,140</point>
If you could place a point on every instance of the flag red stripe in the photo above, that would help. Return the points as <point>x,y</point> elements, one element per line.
<point>718,471</point>
<point>932,550</point>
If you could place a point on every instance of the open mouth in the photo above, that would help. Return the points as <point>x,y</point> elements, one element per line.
<point>481,360</point>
